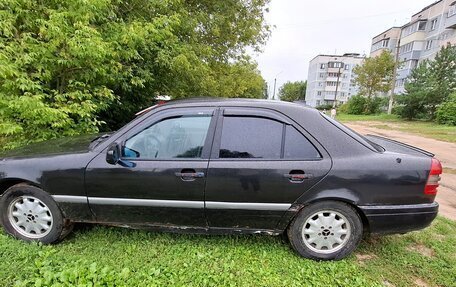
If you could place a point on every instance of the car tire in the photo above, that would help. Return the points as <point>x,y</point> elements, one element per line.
<point>30,214</point>
<point>326,230</point>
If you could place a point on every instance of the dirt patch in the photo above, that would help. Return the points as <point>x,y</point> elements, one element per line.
<point>386,283</point>
<point>439,237</point>
<point>421,249</point>
<point>420,283</point>
<point>363,258</point>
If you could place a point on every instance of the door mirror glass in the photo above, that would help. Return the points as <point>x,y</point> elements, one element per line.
<point>113,154</point>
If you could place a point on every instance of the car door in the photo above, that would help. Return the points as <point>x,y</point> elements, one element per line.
<point>161,177</point>
<point>261,162</point>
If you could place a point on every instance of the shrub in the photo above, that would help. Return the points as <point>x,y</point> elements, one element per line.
<point>359,105</point>
<point>324,107</point>
<point>356,105</point>
<point>446,113</point>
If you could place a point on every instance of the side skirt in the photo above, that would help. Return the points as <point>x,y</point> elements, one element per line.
<point>189,229</point>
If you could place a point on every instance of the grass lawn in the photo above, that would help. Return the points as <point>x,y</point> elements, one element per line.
<point>427,129</point>
<point>108,256</point>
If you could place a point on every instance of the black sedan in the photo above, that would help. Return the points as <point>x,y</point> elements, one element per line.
<point>224,166</point>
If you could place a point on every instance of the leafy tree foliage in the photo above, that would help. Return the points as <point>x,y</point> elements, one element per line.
<point>413,103</point>
<point>446,113</point>
<point>359,105</point>
<point>430,84</point>
<point>375,74</point>
<point>67,65</point>
<point>293,91</point>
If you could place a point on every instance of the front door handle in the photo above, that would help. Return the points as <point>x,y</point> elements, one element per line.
<point>189,175</point>
<point>297,176</point>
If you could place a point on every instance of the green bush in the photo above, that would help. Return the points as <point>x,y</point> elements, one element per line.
<point>70,67</point>
<point>359,105</point>
<point>343,109</point>
<point>324,107</point>
<point>356,105</point>
<point>446,113</point>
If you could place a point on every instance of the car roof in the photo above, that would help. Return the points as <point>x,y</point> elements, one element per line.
<point>239,102</point>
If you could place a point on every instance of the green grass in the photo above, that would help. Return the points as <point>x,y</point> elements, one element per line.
<point>109,256</point>
<point>392,122</point>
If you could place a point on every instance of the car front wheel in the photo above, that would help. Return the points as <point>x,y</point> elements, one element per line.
<point>326,230</point>
<point>30,214</point>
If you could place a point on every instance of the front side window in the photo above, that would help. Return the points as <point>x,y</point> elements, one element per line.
<point>251,137</point>
<point>176,137</point>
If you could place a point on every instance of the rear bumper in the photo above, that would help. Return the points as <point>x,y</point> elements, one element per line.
<point>389,219</point>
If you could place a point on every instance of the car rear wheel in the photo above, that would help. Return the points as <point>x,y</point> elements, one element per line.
<point>327,230</point>
<point>30,214</point>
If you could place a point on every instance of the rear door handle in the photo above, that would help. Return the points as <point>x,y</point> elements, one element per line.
<point>296,177</point>
<point>189,175</point>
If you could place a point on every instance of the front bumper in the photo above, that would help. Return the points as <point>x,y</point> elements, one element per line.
<point>389,219</point>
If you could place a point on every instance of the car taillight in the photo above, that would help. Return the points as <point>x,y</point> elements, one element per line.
<point>434,177</point>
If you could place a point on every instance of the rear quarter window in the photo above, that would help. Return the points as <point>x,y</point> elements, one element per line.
<point>298,146</point>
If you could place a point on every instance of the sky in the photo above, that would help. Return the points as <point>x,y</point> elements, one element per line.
<point>304,29</point>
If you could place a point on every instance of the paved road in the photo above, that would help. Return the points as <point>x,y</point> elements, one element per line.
<point>444,151</point>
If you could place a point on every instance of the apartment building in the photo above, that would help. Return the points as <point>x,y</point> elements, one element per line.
<point>385,41</point>
<point>331,78</point>
<point>428,30</point>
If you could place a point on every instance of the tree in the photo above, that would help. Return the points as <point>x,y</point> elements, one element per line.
<point>412,104</point>
<point>67,66</point>
<point>446,113</point>
<point>429,85</point>
<point>293,91</point>
<point>374,75</point>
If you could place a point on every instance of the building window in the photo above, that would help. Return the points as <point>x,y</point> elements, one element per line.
<point>433,24</point>
<point>319,93</point>
<point>385,43</point>
<point>335,64</point>
<point>406,48</point>
<point>422,26</point>
<point>333,75</point>
<point>322,66</point>
<point>322,75</point>
<point>452,10</point>
<point>320,84</point>
<point>428,44</point>
<point>318,103</point>
<point>347,66</point>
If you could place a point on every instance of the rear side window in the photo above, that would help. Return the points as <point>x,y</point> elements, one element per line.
<point>251,137</point>
<point>297,146</point>
<point>263,138</point>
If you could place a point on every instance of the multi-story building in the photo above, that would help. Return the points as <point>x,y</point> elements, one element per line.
<point>330,79</point>
<point>428,30</point>
<point>385,41</point>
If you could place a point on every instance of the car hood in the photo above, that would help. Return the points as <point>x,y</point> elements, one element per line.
<point>67,145</point>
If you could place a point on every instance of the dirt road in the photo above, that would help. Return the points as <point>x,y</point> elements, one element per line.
<point>444,151</point>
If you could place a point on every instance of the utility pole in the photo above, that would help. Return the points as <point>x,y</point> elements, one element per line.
<point>393,80</point>
<point>337,86</point>
<point>273,94</point>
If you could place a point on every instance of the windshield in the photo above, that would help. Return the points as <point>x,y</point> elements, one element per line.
<point>362,139</point>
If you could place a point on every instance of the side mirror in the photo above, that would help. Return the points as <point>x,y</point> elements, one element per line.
<point>113,154</point>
